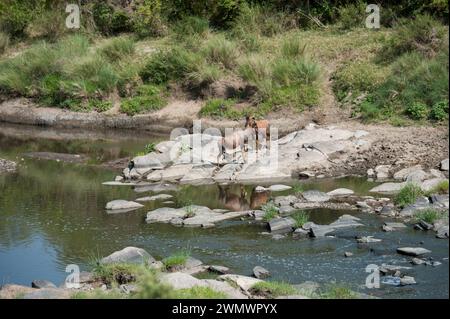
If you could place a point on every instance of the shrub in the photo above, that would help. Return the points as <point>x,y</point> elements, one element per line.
<point>4,42</point>
<point>439,111</point>
<point>147,19</point>
<point>176,260</point>
<point>270,211</point>
<point>292,48</point>
<point>408,195</point>
<point>49,24</point>
<point>149,97</point>
<point>150,148</point>
<point>427,215</point>
<point>417,111</point>
<point>254,69</point>
<point>352,15</point>
<point>204,75</point>
<point>110,20</point>
<point>272,289</point>
<point>289,72</point>
<point>15,16</point>
<point>118,273</point>
<point>117,49</point>
<point>169,65</point>
<point>191,25</point>
<point>300,218</point>
<point>222,51</point>
<point>99,105</point>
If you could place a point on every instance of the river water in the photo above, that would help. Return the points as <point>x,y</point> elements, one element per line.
<point>52,215</point>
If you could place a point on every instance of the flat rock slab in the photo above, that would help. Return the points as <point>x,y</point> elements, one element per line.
<point>49,293</point>
<point>153,198</point>
<point>131,255</point>
<point>394,225</point>
<point>224,287</point>
<point>120,204</point>
<point>281,225</point>
<point>388,188</point>
<point>244,282</point>
<point>315,196</point>
<point>413,251</point>
<point>341,192</point>
<point>180,280</point>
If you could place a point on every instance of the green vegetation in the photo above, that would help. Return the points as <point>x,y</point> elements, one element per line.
<point>4,42</point>
<point>408,195</point>
<point>300,218</point>
<point>176,260</point>
<point>428,215</point>
<point>272,289</point>
<point>217,108</point>
<point>200,293</point>
<point>118,274</point>
<point>441,188</point>
<point>270,211</point>
<point>150,148</point>
<point>297,188</point>
<point>335,291</point>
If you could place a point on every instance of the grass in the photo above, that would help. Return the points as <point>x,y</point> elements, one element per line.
<point>428,215</point>
<point>441,188</point>
<point>99,294</point>
<point>200,293</point>
<point>176,260</point>
<point>408,195</point>
<point>270,211</point>
<point>272,289</point>
<point>298,188</point>
<point>4,42</point>
<point>221,108</point>
<point>148,98</point>
<point>300,218</point>
<point>335,291</point>
<point>150,148</point>
<point>190,212</point>
<point>118,273</point>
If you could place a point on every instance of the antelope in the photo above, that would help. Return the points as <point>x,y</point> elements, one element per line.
<point>231,142</point>
<point>261,128</point>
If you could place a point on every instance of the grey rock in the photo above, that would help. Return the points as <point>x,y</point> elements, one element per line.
<point>348,254</point>
<point>285,200</point>
<point>388,188</point>
<point>387,228</point>
<point>442,232</point>
<point>192,262</point>
<point>279,188</point>
<point>48,293</point>
<point>382,171</point>
<point>153,198</point>
<point>315,196</point>
<point>341,192</point>
<point>244,282</point>
<point>122,205</point>
<point>224,287</point>
<point>219,269</point>
<point>444,165</point>
<point>42,284</point>
<point>413,251</point>
<point>260,272</point>
<point>286,210</point>
<point>429,184</point>
<point>403,173</point>
<point>416,176</point>
<point>128,289</point>
<point>281,225</point>
<point>407,280</point>
<point>321,230</point>
<point>367,240</point>
<point>131,255</point>
<point>179,280</point>
<point>388,211</point>
<point>346,221</point>
<point>417,261</point>
<point>7,166</point>
<point>278,236</point>
<point>440,200</point>
<point>394,225</point>
<point>260,189</point>
<point>425,225</point>
<point>300,233</point>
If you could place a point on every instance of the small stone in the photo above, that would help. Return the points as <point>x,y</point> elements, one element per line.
<point>300,233</point>
<point>122,205</point>
<point>348,254</point>
<point>417,261</point>
<point>444,165</point>
<point>367,240</point>
<point>387,228</point>
<point>407,280</point>
<point>260,272</point>
<point>219,269</point>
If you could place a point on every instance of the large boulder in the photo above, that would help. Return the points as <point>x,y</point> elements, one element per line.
<point>180,280</point>
<point>413,251</point>
<point>429,184</point>
<point>388,188</point>
<point>281,225</point>
<point>260,272</point>
<point>382,171</point>
<point>131,255</point>
<point>403,173</point>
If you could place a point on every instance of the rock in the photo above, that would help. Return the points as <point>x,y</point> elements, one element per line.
<point>119,179</point>
<point>416,176</point>
<point>387,228</point>
<point>382,171</point>
<point>48,293</point>
<point>425,225</point>
<point>199,175</point>
<point>395,225</point>
<point>278,236</point>
<point>7,166</point>
<point>429,184</point>
<point>179,280</point>
<point>260,272</point>
<point>436,173</point>
<point>417,261</point>
<point>367,240</point>
<point>244,282</point>
<point>130,255</point>
<point>442,232</point>
<point>440,200</point>
<point>364,206</point>
<point>348,254</point>
<point>341,192</point>
<point>128,289</point>
<point>14,291</point>
<point>219,269</point>
<point>444,165</point>
<point>175,172</point>
<point>308,225</point>
<point>287,139</point>
<point>164,147</point>
<point>360,133</point>
<point>315,196</point>
<point>410,210</point>
<point>286,210</point>
<point>281,225</point>
<point>164,215</point>
<point>346,221</point>
<point>279,188</point>
<point>370,172</point>
<point>152,161</point>
<point>388,188</point>
<point>413,251</point>
<point>122,205</point>
<point>192,262</point>
<point>388,211</point>
<point>285,200</point>
<point>42,284</point>
<point>403,173</point>
<point>227,173</point>
<point>407,280</point>
<point>321,230</point>
<point>260,189</point>
<point>153,198</point>
<point>224,287</point>
<point>300,233</point>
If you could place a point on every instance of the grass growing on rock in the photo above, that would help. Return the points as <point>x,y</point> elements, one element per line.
<point>272,289</point>
<point>198,292</point>
<point>441,188</point>
<point>118,273</point>
<point>300,218</point>
<point>176,260</point>
<point>428,215</point>
<point>270,211</point>
<point>336,291</point>
<point>408,195</point>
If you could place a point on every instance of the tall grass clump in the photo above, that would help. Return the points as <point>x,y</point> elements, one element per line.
<point>191,26</point>
<point>176,260</point>
<point>335,291</point>
<point>427,215</point>
<point>4,42</point>
<point>198,292</point>
<point>408,195</point>
<point>272,289</point>
<point>300,218</point>
<point>220,50</point>
<point>270,211</point>
<point>117,48</point>
<point>147,98</point>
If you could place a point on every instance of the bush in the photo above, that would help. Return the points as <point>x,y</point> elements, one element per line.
<point>417,111</point>
<point>147,19</point>
<point>439,111</point>
<point>222,51</point>
<point>110,20</point>
<point>335,291</point>
<point>49,24</point>
<point>220,108</point>
<point>352,15</point>
<point>291,72</point>
<point>408,195</point>
<point>148,98</point>
<point>190,26</point>
<point>99,105</point>
<point>151,288</point>
<point>15,16</point>
<point>117,48</point>
<point>4,42</point>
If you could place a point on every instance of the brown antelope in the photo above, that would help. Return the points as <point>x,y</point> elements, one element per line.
<point>231,142</point>
<point>261,127</point>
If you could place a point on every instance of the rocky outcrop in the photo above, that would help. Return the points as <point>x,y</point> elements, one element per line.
<point>132,255</point>
<point>7,166</point>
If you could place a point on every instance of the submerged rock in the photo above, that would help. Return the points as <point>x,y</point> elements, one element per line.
<point>219,269</point>
<point>407,280</point>
<point>278,188</point>
<point>413,251</point>
<point>7,166</point>
<point>388,188</point>
<point>260,272</point>
<point>367,240</point>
